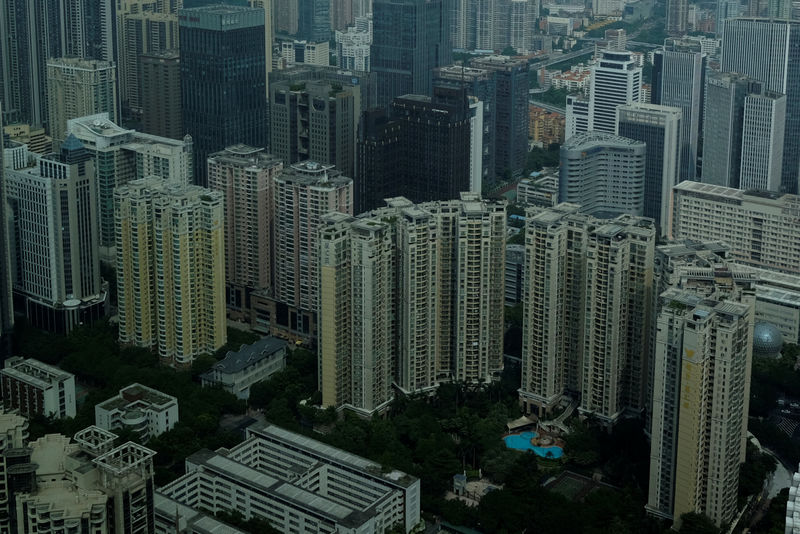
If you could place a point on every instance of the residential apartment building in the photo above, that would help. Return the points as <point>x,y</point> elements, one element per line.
<point>251,364</point>
<point>244,175</point>
<point>586,319</point>
<point>13,435</point>
<point>353,44</point>
<point>603,173</point>
<point>315,120</point>
<point>298,484</point>
<point>170,250</point>
<point>144,411</point>
<point>701,386</point>
<point>309,53</point>
<point>515,273</point>
<point>76,88</point>
<point>546,128</point>
<point>434,268</point>
<point>35,388</point>
<point>55,266</point>
<point>120,155</point>
<point>759,226</point>
<point>302,194</point>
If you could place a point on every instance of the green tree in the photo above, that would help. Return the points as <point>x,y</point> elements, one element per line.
<point>694,523</point>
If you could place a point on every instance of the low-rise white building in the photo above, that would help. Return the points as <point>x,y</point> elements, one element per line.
<point>35,388</point>
<point>144,410</point>
<point>250,364</point>
<point>299,485</point>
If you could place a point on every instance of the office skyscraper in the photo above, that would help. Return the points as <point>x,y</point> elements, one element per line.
<point>394,308</point>
<point>303,193</point>
<point>658,127</point>
<point>482,84</point>
<point>769,51</point>
<point>604,174</point>
<point>170,269</point>
<point>586,312</point>
<point>161,94</point>
<point>6,304</point>
<point>616,80</point>
<point>76,88</point>
<point>722,127</point>
<point>244,176</point>
<point>315,120</point>
<point>421,150</point>
<point>314,20</point>
<point>54,253</point>
<point>410,39</point>
<point>699,426</point>
<point>762,140</point>
<point>222,53</point>
<point>678,81</point>
<point>511,110</point>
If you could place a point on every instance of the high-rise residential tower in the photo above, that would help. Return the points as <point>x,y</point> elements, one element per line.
<point>411,294</point>
<point>6,303</point>
<point>603,173</point>
<point>677,17</point>
<point>303,193</point>
<point>410,39</point>
<point>76,88</point>
<point>314,21</point>
<point>222,53</point>
<point>616,80</point>
<point>586,320</point>
<point>658,127</point>
<point>701,385</point>
<point>244,176</point>
<point>170,269</point>
<point>678,81</point>
<point>769,51</point>
<point>54,239</point>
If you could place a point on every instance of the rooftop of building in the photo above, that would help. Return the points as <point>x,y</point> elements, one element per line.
<point>99,124</point>
<point>246,156</point>
<point>266,484</point>
<point>591,139</point>
<point>170,53</point>
<point>34,372</point>
<point>248,355</point>
<point>80,63</point>
<point>730,193</point>
<point>186,516</point>
<point>331,454</point>
<point>312,173</point>
<point>138,395</point>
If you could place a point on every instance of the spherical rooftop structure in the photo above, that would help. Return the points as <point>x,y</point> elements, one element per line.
<point>767,340</point>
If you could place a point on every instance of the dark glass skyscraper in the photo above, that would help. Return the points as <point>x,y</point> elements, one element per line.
<point>410,39</point>
<point>314,20</point>
<point>223,79</point>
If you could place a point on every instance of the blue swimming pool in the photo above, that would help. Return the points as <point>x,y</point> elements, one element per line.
<point>522,442</point>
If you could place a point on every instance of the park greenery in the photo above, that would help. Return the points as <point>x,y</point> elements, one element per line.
<point>555,97</point>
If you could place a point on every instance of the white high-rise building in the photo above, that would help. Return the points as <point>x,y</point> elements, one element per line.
<point>616,80</point>
<point>55,266</point>
<point>762,141</point>
<point>352,45</point>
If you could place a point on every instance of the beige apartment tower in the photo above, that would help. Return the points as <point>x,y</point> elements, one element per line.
<point>586,313</point>
<point>411,295</point>
<point>244,175</point>
<point>170,269</point>
<point>76,88</point>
